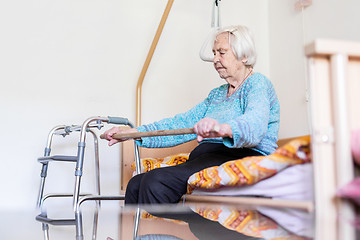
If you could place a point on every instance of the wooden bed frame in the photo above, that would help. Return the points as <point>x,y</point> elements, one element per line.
<point>334,77</point>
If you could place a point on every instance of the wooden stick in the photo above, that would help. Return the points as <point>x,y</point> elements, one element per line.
<point>169,132</point>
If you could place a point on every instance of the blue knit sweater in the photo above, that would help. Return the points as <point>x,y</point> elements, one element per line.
<point>253,112</point>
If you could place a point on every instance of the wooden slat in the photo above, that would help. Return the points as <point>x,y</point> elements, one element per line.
<point>329,47</point>
<point>304,205</point>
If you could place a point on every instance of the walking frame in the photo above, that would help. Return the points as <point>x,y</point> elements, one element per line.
<point>78,199</point>
<point>87,126</point>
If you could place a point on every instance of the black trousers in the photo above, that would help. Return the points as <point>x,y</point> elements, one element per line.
<point>168,184</point>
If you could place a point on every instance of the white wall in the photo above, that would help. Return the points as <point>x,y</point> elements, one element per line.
<point>287,67</point>
<point>177,79</point>
<point>64,61</point>
<point>290,30</point>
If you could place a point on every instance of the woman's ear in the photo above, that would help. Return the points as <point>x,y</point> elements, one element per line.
<point>244,59</point>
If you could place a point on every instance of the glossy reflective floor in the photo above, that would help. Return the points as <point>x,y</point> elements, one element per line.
<point>182,221</point>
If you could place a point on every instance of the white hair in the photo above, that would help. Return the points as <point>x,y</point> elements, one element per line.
<point>241,42</point>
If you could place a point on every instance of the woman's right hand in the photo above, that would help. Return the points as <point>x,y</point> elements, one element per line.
<point>210,128</point>
<point>115,130</point>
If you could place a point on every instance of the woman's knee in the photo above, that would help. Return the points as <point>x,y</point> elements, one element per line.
<point>152,182</point>
<point>160,187</point>
<point>136,180</point>
<point>152,178</point>
<point>133,185</point>
<point>164,180</point>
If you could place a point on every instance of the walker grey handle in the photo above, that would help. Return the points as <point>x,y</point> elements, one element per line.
<point>135,135</point>
<point>118,120</point>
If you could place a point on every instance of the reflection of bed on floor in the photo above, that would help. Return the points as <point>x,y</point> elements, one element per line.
<point>211,221</point>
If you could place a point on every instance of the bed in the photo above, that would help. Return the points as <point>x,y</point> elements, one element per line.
<point>334,77</point>
<point>289,179</point>
<point>292,192</point>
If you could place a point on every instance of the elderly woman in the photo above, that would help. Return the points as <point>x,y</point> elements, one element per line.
<point>236,120</point>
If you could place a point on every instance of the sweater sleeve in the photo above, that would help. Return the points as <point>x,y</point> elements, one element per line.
<point>182,120</point>
<point>250,128</point>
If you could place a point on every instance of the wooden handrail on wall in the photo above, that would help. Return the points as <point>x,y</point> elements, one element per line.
<point>148,60</point>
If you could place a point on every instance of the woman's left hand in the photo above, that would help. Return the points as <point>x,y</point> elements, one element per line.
<point>210,128</point>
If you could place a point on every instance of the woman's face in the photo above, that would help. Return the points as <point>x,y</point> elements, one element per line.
<point>225,61</point>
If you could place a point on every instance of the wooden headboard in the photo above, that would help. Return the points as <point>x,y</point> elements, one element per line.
<point>127,156</point>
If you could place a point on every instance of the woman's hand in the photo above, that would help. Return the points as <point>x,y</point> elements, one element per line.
<point>115,130</point>
<point>210,128</point>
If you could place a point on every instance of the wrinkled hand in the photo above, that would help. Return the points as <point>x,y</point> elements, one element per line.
<point>115,130</point>
<point>210,128</point>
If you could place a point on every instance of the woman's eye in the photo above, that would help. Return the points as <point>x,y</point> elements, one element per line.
<point>222,53</point>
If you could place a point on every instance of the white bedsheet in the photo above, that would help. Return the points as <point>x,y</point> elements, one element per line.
<point>295,183</point>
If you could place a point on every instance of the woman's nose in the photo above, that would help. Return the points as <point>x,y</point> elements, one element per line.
<point>215,59</point>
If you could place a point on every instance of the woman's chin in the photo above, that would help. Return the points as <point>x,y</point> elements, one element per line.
<point>223,76</point>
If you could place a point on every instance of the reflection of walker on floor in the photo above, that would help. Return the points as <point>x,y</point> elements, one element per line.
<point>77,222</point>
